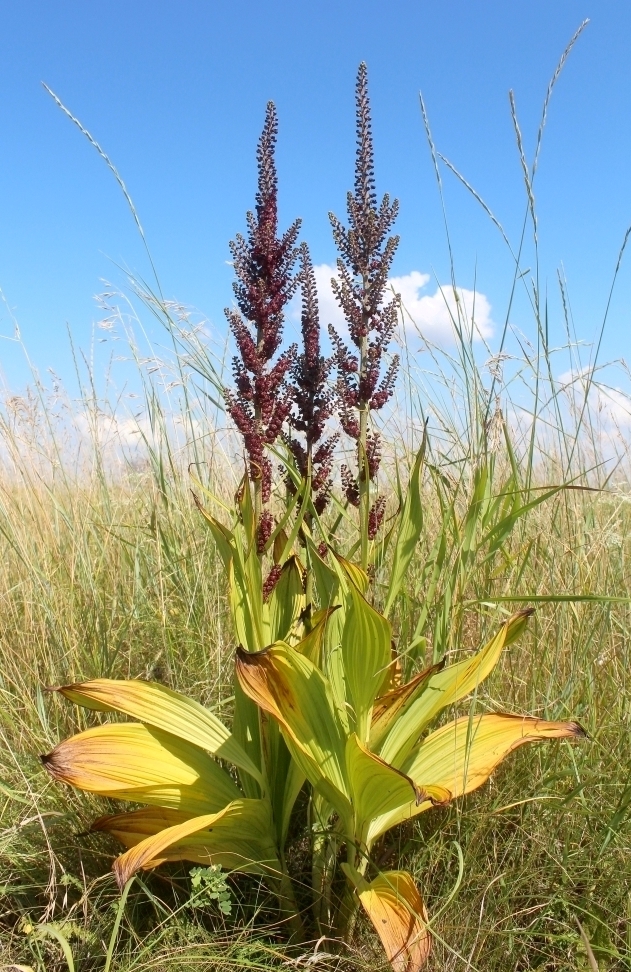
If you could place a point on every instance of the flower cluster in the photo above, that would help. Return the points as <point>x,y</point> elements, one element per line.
<point>366,254</point>
<point>263,264</point>
<point>311,395</point>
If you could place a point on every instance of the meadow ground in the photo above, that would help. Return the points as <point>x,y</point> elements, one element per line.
<point>109,572</point>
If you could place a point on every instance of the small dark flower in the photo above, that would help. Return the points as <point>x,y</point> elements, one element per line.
<point>366,254</point>
<point>349,485</point>
<point>265,529</point>
<point>313,400</point>
<point>271,581</point>
<point>375,517</point>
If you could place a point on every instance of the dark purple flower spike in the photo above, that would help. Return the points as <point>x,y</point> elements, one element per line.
<point>313,400</point>
<point>263,264</point>
<point>366,255</point>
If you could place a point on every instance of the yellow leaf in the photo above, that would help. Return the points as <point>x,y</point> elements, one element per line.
<point>131,761</point>
<point>395,907</point>
<point>238,839</point>
<point>445,688</point>
<point>290,687</point>
<point>377,788</point>
<point>356,574</point>
<point>311,644</point>
<point>390,707</point>
<point>461,755</point>
<point>165,709</point>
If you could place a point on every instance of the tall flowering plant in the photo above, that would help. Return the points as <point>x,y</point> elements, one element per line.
<point>263,263</point>
<point>321,706</point>
<point>364,385</point>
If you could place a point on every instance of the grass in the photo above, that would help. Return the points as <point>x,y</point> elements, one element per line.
<point>106,570</point>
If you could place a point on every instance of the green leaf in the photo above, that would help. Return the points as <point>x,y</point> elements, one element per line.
<point>410,529</point>
<point>223,537</point>
<point>287,601</point>
<point>366,654</point>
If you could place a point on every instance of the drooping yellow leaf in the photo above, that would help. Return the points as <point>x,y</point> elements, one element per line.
<point>156,705</point>
<point>445,688</point>
<point>290,687</point>
<point>131,761</point>
<point>395,907</point>
<point>239,834</point>
<point>461,755</point>
<point>378,789</point>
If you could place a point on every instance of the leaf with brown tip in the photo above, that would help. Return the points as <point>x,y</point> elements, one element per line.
<point>131,761</point>
<point>461,755</point>
<point>159,706</point>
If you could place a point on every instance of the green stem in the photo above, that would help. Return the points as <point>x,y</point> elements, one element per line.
<point>288,905</point>
<point>362,465</point>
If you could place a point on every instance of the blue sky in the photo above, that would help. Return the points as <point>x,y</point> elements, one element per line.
<point>176,93</point>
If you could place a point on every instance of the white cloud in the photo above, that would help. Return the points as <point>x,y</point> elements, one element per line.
<point>433,315</point>
<point>428,314</point>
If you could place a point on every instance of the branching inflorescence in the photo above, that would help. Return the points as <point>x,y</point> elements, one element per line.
<point>312,397</point>
<point>264,267</point>
<point>366,255</point>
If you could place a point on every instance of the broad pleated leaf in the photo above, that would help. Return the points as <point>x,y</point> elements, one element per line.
<point>354,572</point>
<point>395,907</point>
<point>388,708</point>
<point>287,601</point>
<point>366,641</point>
<point>312,644</point>
<point>462,755</point>
<point>131,761</point>
<point>165,709</point>
<point>445,688</point>
<point>377,788</point>
<point>288,686</point>
<point>410,528</point>
<point>239,836</point>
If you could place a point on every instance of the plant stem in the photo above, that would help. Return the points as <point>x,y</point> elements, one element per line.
<point>362,463</point>
<point>288,905</point>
